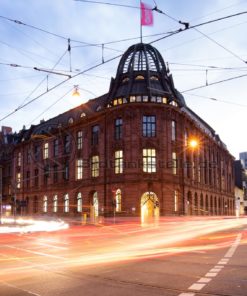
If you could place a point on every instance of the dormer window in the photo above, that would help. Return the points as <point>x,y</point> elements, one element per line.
<point>164,100</point>
<point>154,78</point>
<point>98,108</point>
<point>126,79</point>
<point>71,120</point>
<point>173,103</point>
<point>83,114</point>
<point>139,77</point>
<point>132,99</point>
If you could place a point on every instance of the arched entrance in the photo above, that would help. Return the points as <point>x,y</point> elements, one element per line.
<point>150,210</point>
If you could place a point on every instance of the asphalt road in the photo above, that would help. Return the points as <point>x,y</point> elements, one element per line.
<point>180,256</point>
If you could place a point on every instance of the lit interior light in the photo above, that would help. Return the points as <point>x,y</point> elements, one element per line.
<point>76,92</point>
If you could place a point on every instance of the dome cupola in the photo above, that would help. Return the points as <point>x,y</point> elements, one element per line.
<point>142,76</point>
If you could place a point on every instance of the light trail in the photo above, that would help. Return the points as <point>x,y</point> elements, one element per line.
<point>30,225</point>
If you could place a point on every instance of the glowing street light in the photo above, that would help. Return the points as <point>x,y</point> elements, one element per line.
<point>193,143</point>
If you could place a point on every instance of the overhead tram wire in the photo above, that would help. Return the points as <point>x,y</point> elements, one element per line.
<point>57,85</point>
<point>213,83</point>
<point>217,100</point>
<point>97,65</point>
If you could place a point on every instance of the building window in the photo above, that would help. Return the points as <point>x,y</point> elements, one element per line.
<point>28,156</point>
<point>149,126</point>
<point>79,140</point>
<point>119,162</point>
<point>96,204</point>
<point>95,135</point>
<point>66,203</point>
<point>18,180</point>
<point>46,151</point>
<point>19,159</point>
<point>36,152</point>
<point>35,204</point>
<point>28,179</point>
<point>118,128</point>
<point>95,166</point>
<point>36,177</point>
<point>66,171</point>
<point>55,173</point>
<point>79,202</point>
<point>45,204</point>
<point>66,144</point>
<point>174,163</point>
<point>175,201</point>
<point>174,135</point>
<point>79,169</point>
<point>186,138</point>
<point>118,200</point>
<point>55,204</point>
<point>55,147</point>
<point>46,174</point>
<point>149,160</point>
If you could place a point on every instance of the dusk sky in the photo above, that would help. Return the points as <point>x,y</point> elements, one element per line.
<point>212,53</point>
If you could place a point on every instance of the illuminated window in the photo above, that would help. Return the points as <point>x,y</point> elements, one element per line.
<point>145,99</point>
<point>149,126</point>
<point>149,160</point>
<point>79,169</point>
<point>175,201</point>
<point>119,162</point>
<point>159,100</point>
<point>83,114</point>
<point>79,140</point>
<point>71,120</point>
<point>174,163</point>
<point>118,200</point>
<point>55,204</point>
<point>173,130</point>
<point>186,138</point>
<point>153,77</point>
<point>118,128</point>
<point>46,151</point>
<point>18,180</point>
<point>95,135</point>
<point>95,166</point>
<point>173,103</point>
<point>79,202</point>
<point>96,204</point>
<point>66,203</point>
<point>19,159</point>
<point>132,99</point>
<point>164,100</point>
<point>45,204</point>
<point>126,79</point>
<point>139,77</point>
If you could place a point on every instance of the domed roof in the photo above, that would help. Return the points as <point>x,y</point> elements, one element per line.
<point>142,72</point>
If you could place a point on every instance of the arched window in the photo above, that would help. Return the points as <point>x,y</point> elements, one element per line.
<point>66,203</point>
<point>55,202</point>
<point>139,77</point>
<point>45,204</point>
<point>118,200</point>
<point>79,202</point>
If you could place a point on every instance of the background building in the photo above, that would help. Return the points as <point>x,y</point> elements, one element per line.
<point>126,153</point>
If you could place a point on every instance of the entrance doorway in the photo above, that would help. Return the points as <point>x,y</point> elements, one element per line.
<point>150,209</point>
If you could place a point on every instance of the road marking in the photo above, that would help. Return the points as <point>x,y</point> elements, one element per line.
<point>20,289</point>
<point>204,280</point>
<point>211,274</point>
<point>34,252</point>
<point>215,270</point>
<point>197,287</point>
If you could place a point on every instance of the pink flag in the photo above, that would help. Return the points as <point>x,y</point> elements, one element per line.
<point>146,15</point>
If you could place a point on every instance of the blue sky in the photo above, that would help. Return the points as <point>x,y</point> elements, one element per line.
<point>189,54</point>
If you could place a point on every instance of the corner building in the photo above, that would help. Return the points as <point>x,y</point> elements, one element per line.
<point>126,153</point>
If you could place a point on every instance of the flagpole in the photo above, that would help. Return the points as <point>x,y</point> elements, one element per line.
<point>140,21</point>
